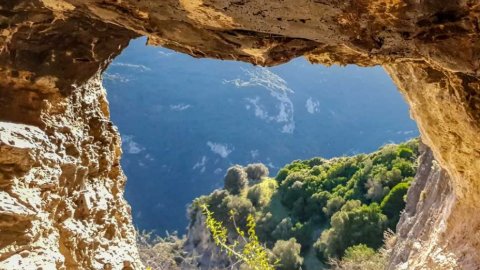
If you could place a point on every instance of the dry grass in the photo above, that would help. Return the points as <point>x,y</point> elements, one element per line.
<point>376,261</point>
<point>163,253</point>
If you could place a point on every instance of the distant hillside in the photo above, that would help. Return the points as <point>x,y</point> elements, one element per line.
<point>326,206</point>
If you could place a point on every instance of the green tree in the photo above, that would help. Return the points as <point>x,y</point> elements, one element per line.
<point>261,193</point>
<point>236,180</point>
<point>282,175</point>
<point>352,225</point>
<point>405,152</point>
<point>333,205</point>
<point>284,229</point>
<point>315,205</point>
<point>406,167</point>
<point>394,203</point>
<point>288,254</point>
<point>361,257</point>
<point>256,171</point>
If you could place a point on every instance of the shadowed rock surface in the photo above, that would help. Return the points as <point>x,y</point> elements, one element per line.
<point>62,200</point>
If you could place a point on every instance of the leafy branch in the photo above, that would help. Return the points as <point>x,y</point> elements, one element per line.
<point>252,253</point>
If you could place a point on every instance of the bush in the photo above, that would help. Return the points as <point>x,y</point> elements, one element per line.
<point>249,252</point>
<point>375,190</point>
<point>361,257</point>
<point>293,190</point>
<point>406,167</point>
<point>284,229</point>
<point>282,174</point>
<point>315,205</point>
<point>236,180</point>
<point>358,252</point>
<point>351,226</point>
<point>242,208</point>
<point>222,203</point>
<point>337,197</point>
<point>405,152</point>
<point>261,193</point>
<point>256,171</point>
<point>394,203</point>
<point>333,205</point>
<point>288,254</point>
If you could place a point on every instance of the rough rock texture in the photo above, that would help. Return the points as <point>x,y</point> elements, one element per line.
<point>428,201</point>
<point>52,51</point>
<point>200,246</point>
<point>61,186</point>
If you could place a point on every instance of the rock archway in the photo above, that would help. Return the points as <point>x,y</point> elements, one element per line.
<point>61,185</point>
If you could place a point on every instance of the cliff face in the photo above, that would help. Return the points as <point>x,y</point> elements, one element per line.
<point>199,245</point>
<point>62,188</point>
<point>61,184</point>
<point>428,203</point>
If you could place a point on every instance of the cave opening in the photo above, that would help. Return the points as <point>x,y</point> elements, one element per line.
<point>189,119</point>
<point>62,186</point>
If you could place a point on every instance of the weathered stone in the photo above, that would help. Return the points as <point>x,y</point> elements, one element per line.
<point>52,53</point>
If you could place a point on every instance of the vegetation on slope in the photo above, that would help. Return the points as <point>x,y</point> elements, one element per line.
<point>331,208</point>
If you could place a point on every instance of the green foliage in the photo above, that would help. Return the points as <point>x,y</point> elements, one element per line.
<point>325,205</point>
<point>358,252</point>
<point>353,224</point>
<point>333,205</point>
<point>404,152</point>
<point>361,257</point>
<point>288,254</point>
<point>282,174</point>
<point>256,171</point>
<point>284,229</point>
<point>394,203</point>
<point>315,205</point>
<point>250,252</point>
<point>236,180</point>
<point>406,167</point>
<point>222,203</point>
<point>261,193</point>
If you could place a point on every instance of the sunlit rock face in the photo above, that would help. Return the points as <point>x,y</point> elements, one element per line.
<point>61,185</point>
<point>428,201</point>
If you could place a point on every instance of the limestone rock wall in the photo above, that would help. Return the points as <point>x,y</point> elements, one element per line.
<point>52,52</point>
<point>429,201</point>
<point>61,185</point>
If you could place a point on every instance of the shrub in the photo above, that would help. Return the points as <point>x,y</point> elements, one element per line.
<point>284,229</point>
<point>315,205</point>
<point>406,167</point>
<point>361,257</point>
<point>223,203</point>
<point>394,203</point>
<point>236,180</point>
<point>404,152</point>
<point>375,190</point>
<point>351,226</point>
<point>386,155</point>
<point>333,205</point>
<point>315,161</point>
<point>294,191</point>
<point>241,206</point>
<point>261,193</point>
<point>250,251</point>
<point>288,254</point>
<point>256,171</point>
<point>282,174</point>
